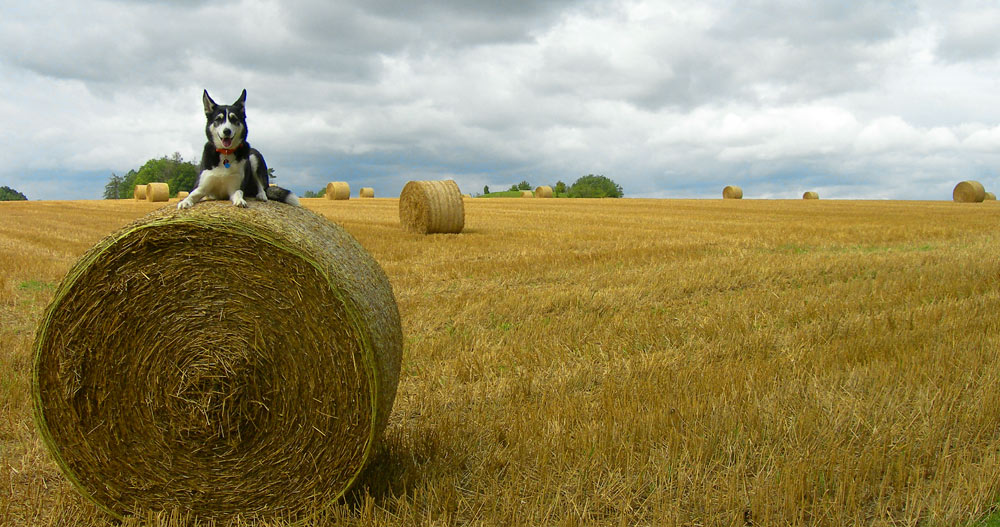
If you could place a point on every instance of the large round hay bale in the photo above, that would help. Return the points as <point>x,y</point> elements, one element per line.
<point>810,195</point>
<point>543,191</point>
<point>157,192</point>
<point>139,193</point>
<point>218,360</point>
<point>430,207</point>
<point>366,192</point>
<point>969,192</point>
<point>989,196</point>
<point>732,192</point>
<point>527,194</point>
<point>182,194</point>
<point>338,190</point>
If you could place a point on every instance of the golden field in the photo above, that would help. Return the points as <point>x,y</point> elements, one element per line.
<point>629,362</point>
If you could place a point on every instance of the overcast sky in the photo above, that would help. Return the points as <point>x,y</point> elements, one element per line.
<point>892,99</point>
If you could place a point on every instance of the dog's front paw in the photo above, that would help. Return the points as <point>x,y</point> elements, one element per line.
<point>240,202</point>
<point>185,203</point>
<point>261,197</point>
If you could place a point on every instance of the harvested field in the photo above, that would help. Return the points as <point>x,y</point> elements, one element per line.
<point>655,362</point>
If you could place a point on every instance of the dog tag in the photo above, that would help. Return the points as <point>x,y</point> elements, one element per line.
<point>226,163</point>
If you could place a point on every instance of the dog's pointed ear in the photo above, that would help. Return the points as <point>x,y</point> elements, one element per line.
<point>242,100</point>
<point>209,103</point>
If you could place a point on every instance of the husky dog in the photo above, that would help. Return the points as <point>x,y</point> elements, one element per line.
<point>230,169</point>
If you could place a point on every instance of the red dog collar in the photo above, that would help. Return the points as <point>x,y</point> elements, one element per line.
<point>226,151</point>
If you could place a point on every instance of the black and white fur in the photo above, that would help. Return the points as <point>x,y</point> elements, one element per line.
<point>230,169</point>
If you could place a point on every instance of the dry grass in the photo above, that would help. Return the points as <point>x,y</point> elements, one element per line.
<point>665,362</point>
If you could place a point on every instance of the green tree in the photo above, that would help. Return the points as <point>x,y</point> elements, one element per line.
<point>9,194</point>
<point>523,185</point>
<point>513,188</point>
<point>486,189</point>
<point>127,188</point>
<point>591,186</point>
<point>174,171</point>
<point>114,187</point>
<point>560,188</point>
<point>310,194</point>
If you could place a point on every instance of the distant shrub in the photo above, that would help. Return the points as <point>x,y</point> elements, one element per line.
<point>9,194</point>
<point>591,186</point>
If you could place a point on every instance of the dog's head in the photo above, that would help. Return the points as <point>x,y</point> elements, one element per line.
<point>226,127</point>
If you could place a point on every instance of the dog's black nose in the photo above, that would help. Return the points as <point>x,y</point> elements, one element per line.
<point>227,132</point>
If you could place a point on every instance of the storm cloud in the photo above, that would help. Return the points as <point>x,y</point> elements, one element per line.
<point>669,99</point>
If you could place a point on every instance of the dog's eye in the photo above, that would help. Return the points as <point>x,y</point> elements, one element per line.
<point>219,119</point>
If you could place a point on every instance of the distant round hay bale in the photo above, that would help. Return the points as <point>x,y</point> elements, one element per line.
<point>543,191</point>
<point>182,194</point>
<point>969,192</point>
<point>732,192</point>
<point>428,207</point>
<point>338,190</point>
<point>989,196</point>
<point>220,361</point>
<point>139,193</point>
<point>366,192</point>
<point>810,195</point>
<point>157,192</point>
<point>527,194</point>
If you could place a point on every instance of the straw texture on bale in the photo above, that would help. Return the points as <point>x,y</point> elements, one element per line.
<point>732,192</point>
<point>527,194</point>
<point>218,360</point>
<point>810,195</point>
<point>157,192</point>
<point>366,192</point>
<point>989,196</point>
<point>139,193</point>
<point>969,192</point>
<point>428,207</point>
<point>543,191</point>
<point>338,190</point>
<point>182,194</point>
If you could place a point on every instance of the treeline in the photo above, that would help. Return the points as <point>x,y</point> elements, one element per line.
<point>9,194</point>
<point>589,186</point>
<point>177,173</point>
